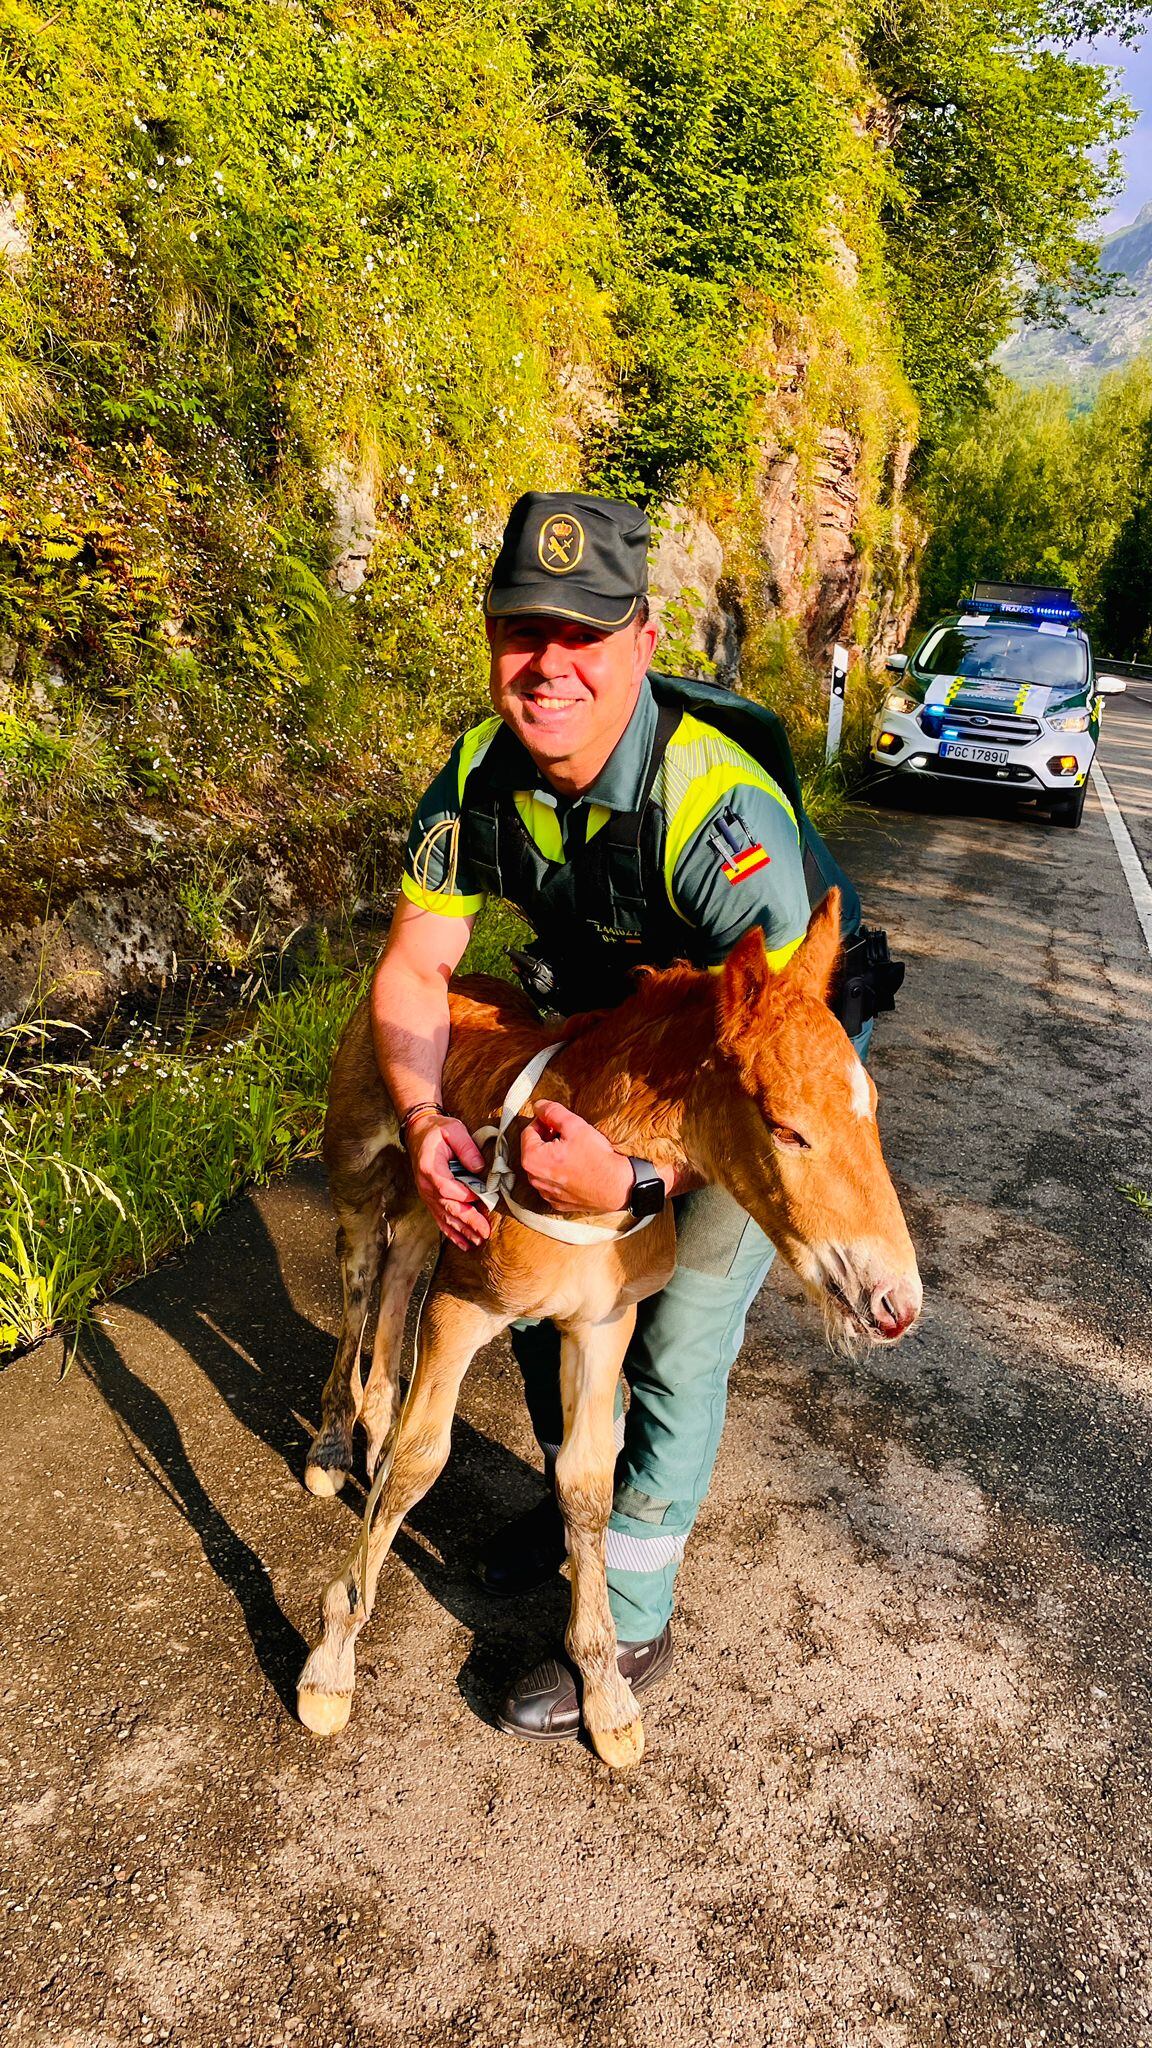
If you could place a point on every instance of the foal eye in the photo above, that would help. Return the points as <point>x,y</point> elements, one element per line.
<point>788,1138</point>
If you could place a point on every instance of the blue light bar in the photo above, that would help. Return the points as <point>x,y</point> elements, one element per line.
<point>1023,600</point>
<point>1001,608</point>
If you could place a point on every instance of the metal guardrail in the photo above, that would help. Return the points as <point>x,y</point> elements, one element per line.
<point>1132,671</point>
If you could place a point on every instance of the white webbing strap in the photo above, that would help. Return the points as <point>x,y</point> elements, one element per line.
<point>497,1185</point>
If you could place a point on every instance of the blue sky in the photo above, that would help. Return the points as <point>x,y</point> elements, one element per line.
<point>1136,66</point>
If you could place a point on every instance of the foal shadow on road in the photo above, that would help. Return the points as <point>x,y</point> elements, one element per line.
<point>227,1309</point>
<point>507,1635</point>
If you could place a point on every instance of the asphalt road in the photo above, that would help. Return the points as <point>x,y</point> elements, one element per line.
<point>896,1787</point>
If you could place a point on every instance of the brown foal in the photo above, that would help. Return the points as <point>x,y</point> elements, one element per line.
<point>744,1078</point>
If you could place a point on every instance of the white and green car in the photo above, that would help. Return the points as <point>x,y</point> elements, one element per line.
<point>1002,692</point>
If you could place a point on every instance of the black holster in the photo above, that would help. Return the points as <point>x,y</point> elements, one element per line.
<point>537,978</point>
<point>582,982</point>
<point>868,980</point>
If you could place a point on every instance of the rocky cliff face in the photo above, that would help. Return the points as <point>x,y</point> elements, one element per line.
<point>805,552</point>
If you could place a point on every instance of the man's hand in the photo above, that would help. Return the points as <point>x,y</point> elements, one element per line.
<point>434,1140</point>
<point>571,1164</point>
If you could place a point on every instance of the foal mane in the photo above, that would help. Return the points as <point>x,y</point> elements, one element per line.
<point>659,992</point>
<point>629,1069</point>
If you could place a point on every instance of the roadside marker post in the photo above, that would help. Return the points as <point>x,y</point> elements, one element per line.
<point>836,701</point>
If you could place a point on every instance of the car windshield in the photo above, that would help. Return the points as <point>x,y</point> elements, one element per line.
<point>1004,654</point>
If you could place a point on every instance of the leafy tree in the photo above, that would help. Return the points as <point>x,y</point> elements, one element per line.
<point>1125,601</point>
<point>1034,487</point>
<point>1002,150</point>
<point>718,131</point>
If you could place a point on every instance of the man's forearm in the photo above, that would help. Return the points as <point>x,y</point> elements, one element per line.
<point>410,1032</point>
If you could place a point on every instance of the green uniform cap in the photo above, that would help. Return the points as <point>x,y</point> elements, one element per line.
<point>572,556</point>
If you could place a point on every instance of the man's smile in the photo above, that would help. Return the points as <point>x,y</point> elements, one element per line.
<point>546,700</point>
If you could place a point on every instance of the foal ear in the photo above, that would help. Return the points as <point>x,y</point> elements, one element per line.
<point>744,980</point>
<point>813,964</point>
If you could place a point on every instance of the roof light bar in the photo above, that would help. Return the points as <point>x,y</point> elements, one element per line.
<point>1023,600</point>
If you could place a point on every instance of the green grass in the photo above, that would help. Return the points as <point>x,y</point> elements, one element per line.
<point>105,1168</point>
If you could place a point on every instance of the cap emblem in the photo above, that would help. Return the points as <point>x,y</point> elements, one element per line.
<point>561,544</point>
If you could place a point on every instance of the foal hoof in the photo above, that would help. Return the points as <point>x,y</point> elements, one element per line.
<point>621,1748</point>
<point>323,1713</point>
<point>329,1462</point>
<point>323,1482</point>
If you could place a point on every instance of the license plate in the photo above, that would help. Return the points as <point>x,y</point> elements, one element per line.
<point>988,757</point>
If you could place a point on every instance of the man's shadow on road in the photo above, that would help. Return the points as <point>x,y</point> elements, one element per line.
<point>233,1317</point>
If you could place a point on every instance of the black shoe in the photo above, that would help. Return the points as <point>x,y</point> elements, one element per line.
<point>526,1553</point>
<point>544,1705</point>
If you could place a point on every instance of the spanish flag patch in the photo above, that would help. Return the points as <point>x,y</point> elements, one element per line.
<point>746,863</point>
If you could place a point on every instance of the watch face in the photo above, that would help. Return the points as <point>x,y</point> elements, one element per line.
<point>648,1193</point>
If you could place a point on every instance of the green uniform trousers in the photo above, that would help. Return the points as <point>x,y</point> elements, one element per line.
<point>686,1340</point>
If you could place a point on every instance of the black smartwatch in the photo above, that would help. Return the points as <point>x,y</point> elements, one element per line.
<point>649,1193</point>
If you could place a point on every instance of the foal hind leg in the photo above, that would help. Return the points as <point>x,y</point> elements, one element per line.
<point>451,1332</point>
<point>591,1356</point>
<point>414,1238</point>
<point>360,1244</point>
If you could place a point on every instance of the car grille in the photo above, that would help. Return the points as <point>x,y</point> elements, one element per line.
<point>983,728</point>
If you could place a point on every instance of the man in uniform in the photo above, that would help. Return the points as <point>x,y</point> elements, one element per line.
<point>627,831</point>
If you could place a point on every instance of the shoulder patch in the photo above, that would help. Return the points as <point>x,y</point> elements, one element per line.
<point>740,854</point>
<point>746,863</point>
<point>702,771</point>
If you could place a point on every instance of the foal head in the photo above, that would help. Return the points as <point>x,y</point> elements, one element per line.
<point>798,1142</point>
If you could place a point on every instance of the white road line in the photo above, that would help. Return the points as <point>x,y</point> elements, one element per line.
<point>1139,887</point>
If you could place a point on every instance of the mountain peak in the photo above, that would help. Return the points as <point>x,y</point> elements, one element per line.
<point>1104,339</point>
<point>1143,220</point>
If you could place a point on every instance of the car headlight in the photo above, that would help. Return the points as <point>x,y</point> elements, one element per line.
<point>1070,721</point>
<point>901,700</point>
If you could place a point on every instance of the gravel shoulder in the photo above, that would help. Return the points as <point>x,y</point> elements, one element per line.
<point>896,1790</point>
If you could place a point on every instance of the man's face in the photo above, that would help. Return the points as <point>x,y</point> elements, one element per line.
<point>567,690</point>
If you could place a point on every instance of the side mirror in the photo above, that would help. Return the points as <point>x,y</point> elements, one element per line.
<point>1111,686</point>
<point>897,663</point>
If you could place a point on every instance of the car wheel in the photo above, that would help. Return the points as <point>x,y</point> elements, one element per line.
<point>1068,810</point>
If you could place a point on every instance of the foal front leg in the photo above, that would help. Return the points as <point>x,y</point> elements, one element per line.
<point>451,1332</point>
<point>591,1355</point>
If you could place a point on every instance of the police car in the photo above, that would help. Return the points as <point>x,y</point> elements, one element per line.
<point>1002,691</point>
